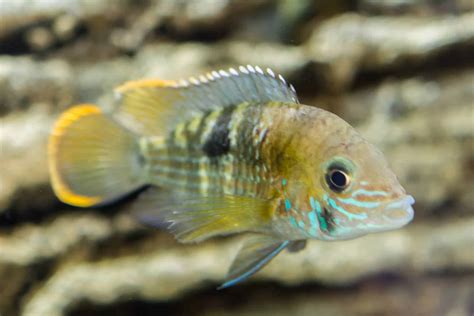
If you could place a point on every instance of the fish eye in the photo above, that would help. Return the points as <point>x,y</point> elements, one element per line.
<point>338,179</point>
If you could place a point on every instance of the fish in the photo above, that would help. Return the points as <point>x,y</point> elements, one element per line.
<point>228,152</point>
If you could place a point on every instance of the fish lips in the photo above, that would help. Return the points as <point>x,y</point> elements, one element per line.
<point>399,213</point>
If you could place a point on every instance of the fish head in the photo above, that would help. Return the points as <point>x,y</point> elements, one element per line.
<point>356,191</point>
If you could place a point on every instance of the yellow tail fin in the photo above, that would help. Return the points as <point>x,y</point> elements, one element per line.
<point>92,159</point>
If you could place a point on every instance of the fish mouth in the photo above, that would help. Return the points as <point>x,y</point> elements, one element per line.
<point>400,212</point>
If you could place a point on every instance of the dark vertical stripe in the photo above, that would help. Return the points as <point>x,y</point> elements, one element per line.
<point>218,141</point>
<point>327,220</point>
<point>171,150</point>
<point>245,161</point>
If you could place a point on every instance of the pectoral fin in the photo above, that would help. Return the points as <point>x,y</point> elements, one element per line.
<point>256,252</point>
<point>192,217</point>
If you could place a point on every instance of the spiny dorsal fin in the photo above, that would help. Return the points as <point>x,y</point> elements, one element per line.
<point>154,107</point>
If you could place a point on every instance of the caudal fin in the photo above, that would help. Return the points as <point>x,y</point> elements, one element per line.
<point>92,159</point>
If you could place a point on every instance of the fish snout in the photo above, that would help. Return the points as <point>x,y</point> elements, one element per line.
<point>400,212</point>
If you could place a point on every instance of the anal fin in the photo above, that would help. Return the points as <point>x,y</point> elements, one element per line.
<point>255,253</point>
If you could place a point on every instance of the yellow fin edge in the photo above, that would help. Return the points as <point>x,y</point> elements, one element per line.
<point>61,189</point>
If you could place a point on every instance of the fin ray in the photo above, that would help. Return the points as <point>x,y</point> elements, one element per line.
<point>154,107</point>
<point>256,252</point>
<point>193,218</point>
<point>92,160</point>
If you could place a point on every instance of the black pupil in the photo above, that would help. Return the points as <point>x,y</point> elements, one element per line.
<point>338,179</point>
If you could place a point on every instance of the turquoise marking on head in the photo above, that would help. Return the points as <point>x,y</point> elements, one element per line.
<point>287,204</point>
<point>312,219</point>
<point>293,221</point>
<point>322,220</point>
<point>301,224</point>
<point>342,210</point>
<point>313,222</point>
<point>357,203</point>
<point>369,193</point>
<point>283,182</point>
<point>317,208</point>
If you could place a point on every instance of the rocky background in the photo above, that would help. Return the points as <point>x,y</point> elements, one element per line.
<point>401,71</point>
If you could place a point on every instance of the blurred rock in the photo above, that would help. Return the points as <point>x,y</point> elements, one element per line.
<point>23,140</point>
<point>165,274</point>
<point>21,8</point>
<point>185,19</point>
<point>402,72</point>
<point>423,7</point>
<point>67,238</point>
<point>38,25</point>
<point>64,26</point>
<point>24,82</point>
<point>352,43</point>
<point>123,24</point>
<point>39,38</point>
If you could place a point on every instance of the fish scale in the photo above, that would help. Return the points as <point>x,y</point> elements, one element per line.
<point>179,160</point>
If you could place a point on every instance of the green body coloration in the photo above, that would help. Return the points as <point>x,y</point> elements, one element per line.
<point>205,156</point>
<point>226,153</point>
<point>233,151</point>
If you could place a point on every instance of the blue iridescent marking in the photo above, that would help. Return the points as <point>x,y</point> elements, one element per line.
<point>369,193</point>
<point>314,223</point>
<point>317,207</point>
<point>301,224</point>
<point>293,221</point>
<point>287,204</point>
<point>324,224</point>
<point>359,203</point>
<point>407,201</point>
<point>349,215</point>
<point>283,182</point>
<point>312,219</point>
<point>256,267</point>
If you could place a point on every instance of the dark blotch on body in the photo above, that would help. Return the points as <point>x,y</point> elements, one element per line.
<point>328,219</point>
<point>218,142</point>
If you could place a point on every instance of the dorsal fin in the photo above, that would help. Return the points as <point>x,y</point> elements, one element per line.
<point>154,107</point>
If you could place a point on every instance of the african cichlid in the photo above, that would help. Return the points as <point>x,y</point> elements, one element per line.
<point>228,152</point>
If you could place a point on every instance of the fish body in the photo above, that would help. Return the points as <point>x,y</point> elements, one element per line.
<point>228,152</point>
